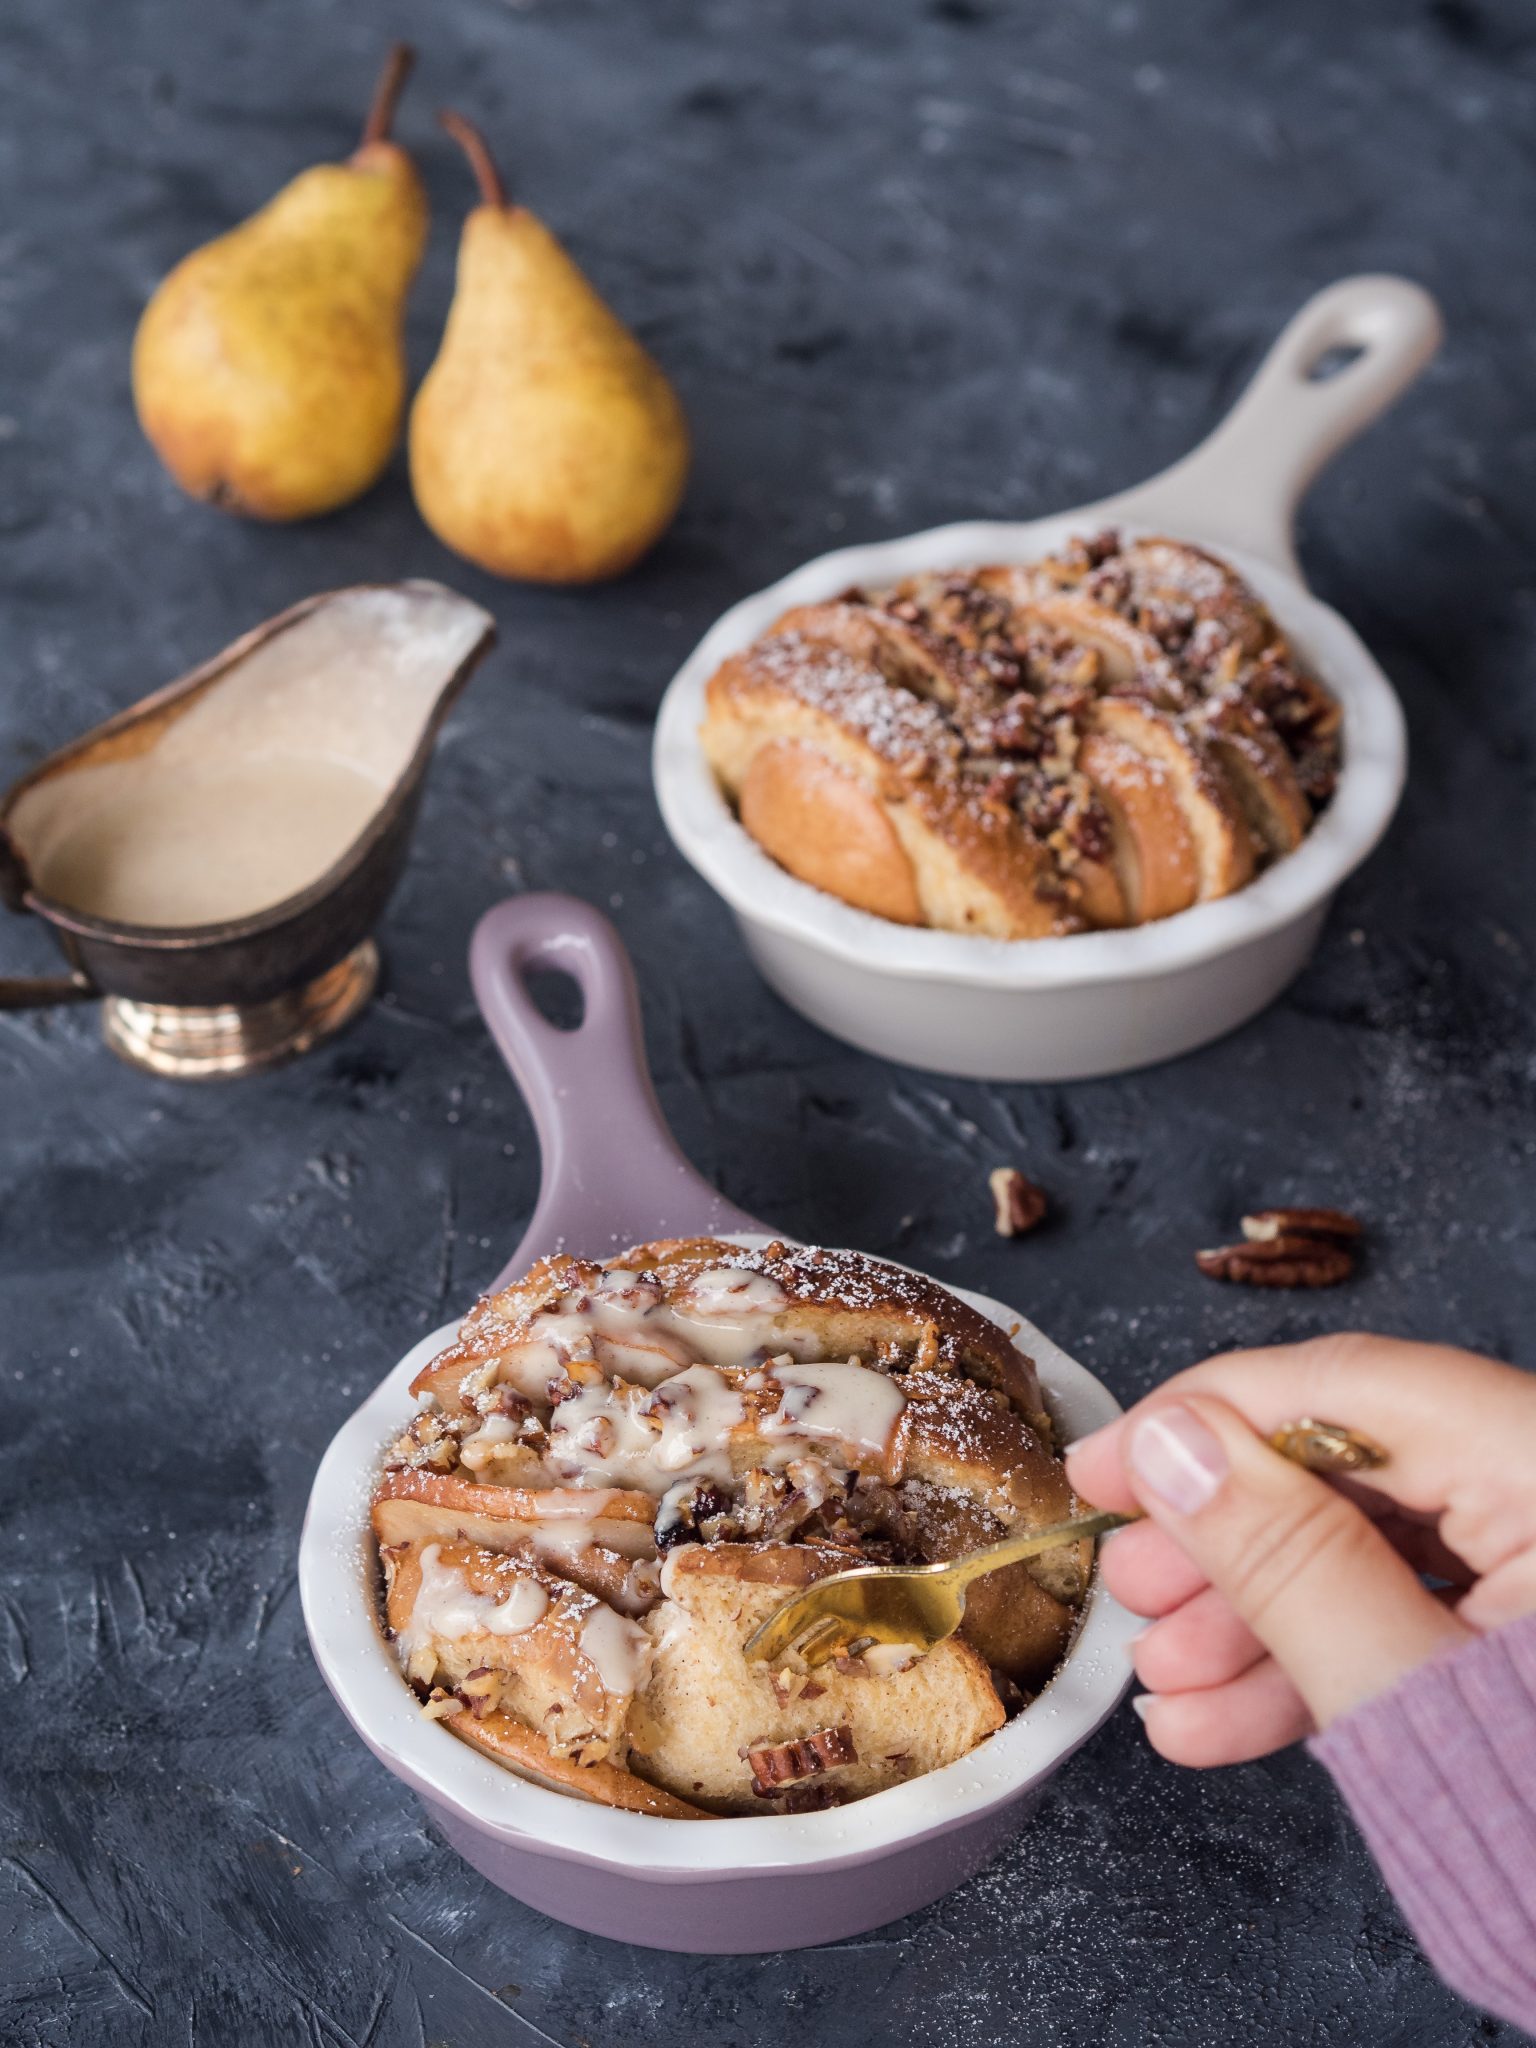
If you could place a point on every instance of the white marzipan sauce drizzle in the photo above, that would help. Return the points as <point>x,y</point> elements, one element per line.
<point>446,1605</point>
<point>654,1392</point>
<point>665,1383</point>
<point>619,1651</point>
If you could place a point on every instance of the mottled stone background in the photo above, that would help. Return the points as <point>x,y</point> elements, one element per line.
<point>907,263</point>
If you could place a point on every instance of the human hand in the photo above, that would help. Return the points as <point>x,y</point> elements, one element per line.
<point>1280,1600</point>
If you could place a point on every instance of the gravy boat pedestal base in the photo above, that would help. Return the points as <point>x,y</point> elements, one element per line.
<point>186,1042</point>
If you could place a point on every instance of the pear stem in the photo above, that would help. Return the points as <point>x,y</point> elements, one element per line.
<point>398,66</point>
<point>476,148</point>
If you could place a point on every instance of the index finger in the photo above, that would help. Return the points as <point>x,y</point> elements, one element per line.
<point>1404,1396</point>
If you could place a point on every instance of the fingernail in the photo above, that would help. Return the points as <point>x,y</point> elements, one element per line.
<point>1140,1701</point>
<point>1176,1457</point>
<point>1078,1443</point>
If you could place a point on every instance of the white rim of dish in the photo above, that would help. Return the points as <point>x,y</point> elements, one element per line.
<point>710,837</point>
<point>337,1590</point>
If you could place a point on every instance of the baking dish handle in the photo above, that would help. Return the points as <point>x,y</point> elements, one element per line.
<point>1340,362</point>
<point>612,1173</point>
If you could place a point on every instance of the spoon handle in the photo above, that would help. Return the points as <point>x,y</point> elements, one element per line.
<point>1013,1549</point>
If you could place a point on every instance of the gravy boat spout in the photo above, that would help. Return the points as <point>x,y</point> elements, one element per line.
<point>212,860</point>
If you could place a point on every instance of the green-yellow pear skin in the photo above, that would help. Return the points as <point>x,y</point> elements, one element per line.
<point>269,367</point>
<point>545,443</point>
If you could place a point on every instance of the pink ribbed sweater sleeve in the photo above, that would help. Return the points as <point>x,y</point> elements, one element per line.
<point>1440,1773</point>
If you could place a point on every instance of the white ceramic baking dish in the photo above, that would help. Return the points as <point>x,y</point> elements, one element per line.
<point>1100,1002</point>
<point>613,1176</point>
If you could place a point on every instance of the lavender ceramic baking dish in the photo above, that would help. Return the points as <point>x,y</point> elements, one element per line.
<point>612,1175</point>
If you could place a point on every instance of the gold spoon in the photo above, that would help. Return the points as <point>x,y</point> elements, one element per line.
<point>914,1606</point>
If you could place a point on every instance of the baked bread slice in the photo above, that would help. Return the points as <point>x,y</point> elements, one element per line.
<point>1102,738</point>
<point>705,1710</point>
<point>697,1428</point>
<point>1259,770</point>
<point>521,1749</point>
<point>971,863</point>
<point>684,1299</point>
<point>562,1660</point>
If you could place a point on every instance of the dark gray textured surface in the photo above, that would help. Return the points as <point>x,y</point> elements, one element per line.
<point>907,264</point>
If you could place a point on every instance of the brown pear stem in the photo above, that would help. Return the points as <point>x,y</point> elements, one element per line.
<point>477,149</point>
<point>398,66</point>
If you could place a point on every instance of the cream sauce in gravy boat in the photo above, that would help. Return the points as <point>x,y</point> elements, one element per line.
<point>213,859</point>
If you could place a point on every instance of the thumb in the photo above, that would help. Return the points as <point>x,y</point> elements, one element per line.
<point>1320,1587</point>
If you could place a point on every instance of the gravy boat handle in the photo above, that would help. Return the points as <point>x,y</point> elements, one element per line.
<point>42,991</point>
<point>612,1174</point>
<point>33,991</point>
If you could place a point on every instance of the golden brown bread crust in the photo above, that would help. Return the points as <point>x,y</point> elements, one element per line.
<point>521,1749</point>
<point>1153,848</point>
<point>848,1301</point>
<point>826,826</point>
<point>956,1435</point>
<point>975,866</point>
<point>1259,771</point>
<point>1016,1625</point>
<point>1223,847</point>
<point>935,752</point>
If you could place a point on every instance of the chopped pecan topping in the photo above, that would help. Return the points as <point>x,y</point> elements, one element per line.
<point>481,1691</point>
<point>1016,727</point>
<point>695,1511</point>
<point>1279,1262</point>
<point>1019,1203</point>
<point>776,1764</point>
<point>1337,1225</point>
<point>440,1705</point>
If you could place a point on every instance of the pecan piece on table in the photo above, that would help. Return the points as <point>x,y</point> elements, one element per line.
<point>1019,1203</point>
<point>1337,1226</point>
<point>1279,1262</point>
<point>776,1764</point>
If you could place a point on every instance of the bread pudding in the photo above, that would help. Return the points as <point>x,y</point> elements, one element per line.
<point>619,1470</point>
<point>1099,739</point>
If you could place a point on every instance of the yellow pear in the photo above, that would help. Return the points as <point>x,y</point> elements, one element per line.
<point>269,367</point>
<point>545,443</point>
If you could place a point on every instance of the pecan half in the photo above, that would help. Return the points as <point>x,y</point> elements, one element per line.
<point>1337,1226</point>
<point>1019,1203</point>
<point>1279,1262</point>
<point>776,1764</point>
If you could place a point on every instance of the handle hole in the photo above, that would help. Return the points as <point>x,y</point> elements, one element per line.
<point>556,996</point>
<point>1333,362</point>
